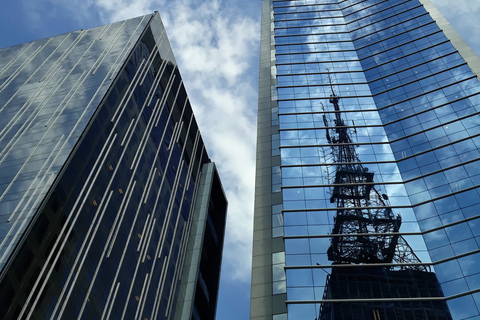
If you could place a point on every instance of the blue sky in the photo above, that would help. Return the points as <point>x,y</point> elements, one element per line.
<point>216,44</point>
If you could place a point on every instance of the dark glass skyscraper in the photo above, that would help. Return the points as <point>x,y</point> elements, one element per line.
<point>368,157</point>
<point>110,207</point>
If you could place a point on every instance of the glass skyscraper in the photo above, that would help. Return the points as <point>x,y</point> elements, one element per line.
<point>110,207</point>
<point>368,164</point>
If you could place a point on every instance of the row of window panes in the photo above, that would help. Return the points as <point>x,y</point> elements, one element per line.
<point>301,198</point>
<point>277,3</point>
<point>323,91</point>
<point>417,72</point>
<point>326,37</point>
<point>403,50</point>
<point>325,202</point>
<point>318,105</point>
<point>398,40</point>
<point>316,246</point>
<point>326,218</point>
<point>311,20</point>
<point>344,5</point>
<point>341,66</point>
<point>308,23</point>
<point>372,14</point>
<point>456,269</point>
<point>433,82</point>
<point>305,293</point>
<point>448,209</point>
<point>431,118</point>
<point>423,141</point>
<point>415,62</point>
<point>316,155</point>
<point>313,230</point>
<point>318,137</point>
<point>358,18</point>
<point>351,7</point>
<point>430,113</point>
<point>447,181</point>
<point>371,8</point>
<point>314,47</point>
<point>448,156</point>
<point>311,279</point>
<point>332,10</point>
<point>462,308</point>
<point>319,79</point>
<point>437,97</point>
<point>454,240</point>
<point>323,175</point>
<point>439,184</point>
<point>431,100</point>
<point>317,57</point>
<point>412,60</point>
<point>327,17</point>
<point>311,30</point>
<point>306,193</point>
<point>316,120</point>
<point>373,33</point>
<point>442,190</point>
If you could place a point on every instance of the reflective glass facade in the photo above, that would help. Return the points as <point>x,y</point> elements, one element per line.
<point>367,159</point>
<point>110,207</point>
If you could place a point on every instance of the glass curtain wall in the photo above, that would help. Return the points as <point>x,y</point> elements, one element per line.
<point>378,119</point>
<point>101,161</point>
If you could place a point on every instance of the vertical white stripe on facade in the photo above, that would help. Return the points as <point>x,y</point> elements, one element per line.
<point>125,52</point>
<point>81,198</point>
<point>116,226</point>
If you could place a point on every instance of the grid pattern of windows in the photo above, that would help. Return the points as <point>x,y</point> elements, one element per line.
<point>411,105</point>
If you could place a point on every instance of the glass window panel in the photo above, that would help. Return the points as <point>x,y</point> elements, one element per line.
<point>299,278</point>
<point>462,308</point>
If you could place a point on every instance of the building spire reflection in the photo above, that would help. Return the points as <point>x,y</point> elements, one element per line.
<point>366,233</point>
